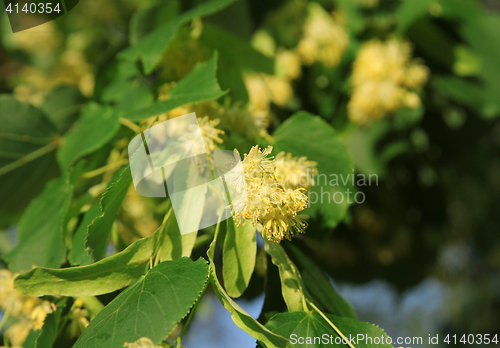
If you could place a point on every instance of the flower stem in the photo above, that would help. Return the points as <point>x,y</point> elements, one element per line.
<point>331,324</point>
<point>131,125</point>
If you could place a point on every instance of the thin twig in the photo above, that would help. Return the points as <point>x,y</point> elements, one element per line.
<point>29,157</point>
<point>104,169</point>
<point>131,125</point>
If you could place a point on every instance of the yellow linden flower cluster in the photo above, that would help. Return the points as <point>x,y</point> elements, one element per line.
<point>384,79</point>
<point>273,193</point>
<point>263,89</point>
<point>324,40</point>
<point>237,118</point>
<point>71,68</point>
<point>39,39</point>
<point>295,173</point>
<point>209,132</point>
<point>79,319</point>
<point>29,311</point>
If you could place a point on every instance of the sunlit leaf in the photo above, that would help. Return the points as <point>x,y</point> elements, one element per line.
<point>95,127</point>
<point>238,257</point>
<point>52,323</point>
<point>99,230</point>
<point>105,276</point>
<point>40,231</point>
<point>201,84</point>
<point>149,308</point>
<point>292,285</point>
<point>240,317</point>
<point>150,48</point>
<point>28,141</point>
<point>319,288</point>
<point>306,135</point>
<point>315,332</point>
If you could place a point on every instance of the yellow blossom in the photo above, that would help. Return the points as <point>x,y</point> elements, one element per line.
<point>258,92</point>
<point>324,39</point>
<point>11,301</point>
<point>279,225</point>
<point>263,89</point>
<point>26,309</point>
<point>263,42</point>
<point>39,314</point>
<point>39,39</point>
<point>246,121</point>
<point>412,100</point>
<point>268,202</point>
<point>9,297</point>
<point>72,68</point>
<point>416,75</point>
<point>384,79</point>
<point>293,172</point>
<point>209,132</point>
<point>18,332</point>
<point>79,321</point>
<point>288,64</point>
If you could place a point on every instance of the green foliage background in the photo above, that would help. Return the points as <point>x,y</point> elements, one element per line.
<point>65,180</point>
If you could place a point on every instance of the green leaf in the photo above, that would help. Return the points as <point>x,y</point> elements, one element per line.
<point>31,339</point>
<point>481,33</point>
<point>124,74</point>
<point>434,42</point>
<point>189,212</point>
<point>292,285</point>
<point>462,90</point>
<point>105,276</point>
<point>318,287</point>
<point>355,19</point>
<point>236,55</point>
<point>149,308</point>
<point>50,326</point>
<point>78,255</point>
<point>40,231</point>
<point>147,19</point>
<point>311,325</point>
<point>62,106</point>
<point>99,230</point>
<point>362,143</point>
<point>201,84</point>
<point>97,125</point>
<point>240,317</point>
<point>409,11</point>
<point>27,143</point>
<point>306,135</point>
<point>238,257</point>
<point>150,49</point>
<point>177,245</point>
<point>137,97</point>
<point>406,118</point>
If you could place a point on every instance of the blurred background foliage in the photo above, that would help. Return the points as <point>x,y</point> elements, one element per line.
<point>410,86</point>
